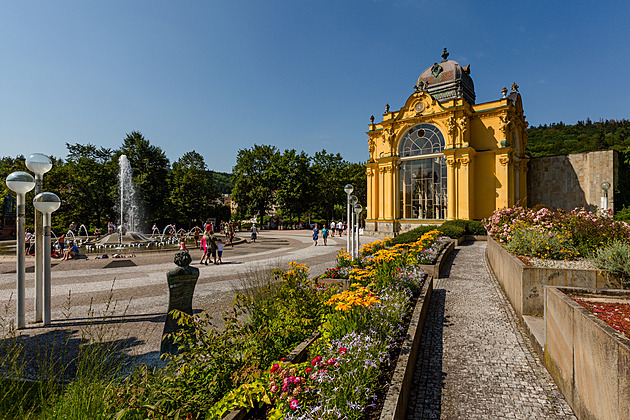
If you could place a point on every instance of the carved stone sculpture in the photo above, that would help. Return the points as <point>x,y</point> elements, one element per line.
<point>181,286</point>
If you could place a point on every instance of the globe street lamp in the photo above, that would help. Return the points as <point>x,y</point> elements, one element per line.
<point>605,186</point>
<point>357,209</point>
<point>353,200</point>
<point>20,183</point>
<point>46,203</point>
<point>348,189</point>
<point>39,164</point>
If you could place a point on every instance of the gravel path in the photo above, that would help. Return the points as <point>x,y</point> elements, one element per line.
<point>475,361</point>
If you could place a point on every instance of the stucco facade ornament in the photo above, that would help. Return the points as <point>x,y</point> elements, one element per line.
<point>464,160</point>
<point>504,160</point>
<point>504,125</point>
<point>451,125</point>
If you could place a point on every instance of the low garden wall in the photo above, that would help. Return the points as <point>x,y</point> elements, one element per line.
<point>588,359</point>
<point>524,285</point>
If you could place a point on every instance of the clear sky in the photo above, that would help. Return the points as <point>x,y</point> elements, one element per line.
<point>218,76</point>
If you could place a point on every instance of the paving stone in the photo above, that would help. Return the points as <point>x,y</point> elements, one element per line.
<point>475,361</point>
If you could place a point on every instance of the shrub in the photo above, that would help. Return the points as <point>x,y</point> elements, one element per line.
<point>451,231</point>
<point>614,258</point>
<point>532,242</point>
<point>471,227</point>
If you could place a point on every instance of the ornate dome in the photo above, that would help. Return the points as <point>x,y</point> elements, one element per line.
<point>447,80</point>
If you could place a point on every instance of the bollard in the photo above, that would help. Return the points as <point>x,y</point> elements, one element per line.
<point>181,286</point>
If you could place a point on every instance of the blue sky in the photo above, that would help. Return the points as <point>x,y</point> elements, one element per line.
<point>218,76</point>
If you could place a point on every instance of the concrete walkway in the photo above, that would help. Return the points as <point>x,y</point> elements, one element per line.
<point>475,361</point>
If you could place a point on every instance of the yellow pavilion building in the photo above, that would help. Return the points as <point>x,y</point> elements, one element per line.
<point>442,156</point>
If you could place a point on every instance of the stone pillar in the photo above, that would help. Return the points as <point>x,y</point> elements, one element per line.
<point>451,193</point>
<point>181,286</point>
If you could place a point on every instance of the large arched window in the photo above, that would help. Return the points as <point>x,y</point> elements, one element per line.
<point>422,174</point>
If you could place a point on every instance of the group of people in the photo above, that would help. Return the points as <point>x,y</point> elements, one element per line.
<point>338,227</point>
<point>210,245</point>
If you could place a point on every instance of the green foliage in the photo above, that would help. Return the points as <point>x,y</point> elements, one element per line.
<point>222,182</point>
<point>295,191</point>
<point>452,231</point>
<point>192,189</point>
<point>532,242</point>
<point>471,227</point>
<point>256,178</point>
<point>614,258</point>
<point>623,215</point>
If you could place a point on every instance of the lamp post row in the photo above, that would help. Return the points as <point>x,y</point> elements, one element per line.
<point>353,210</point>
<point>45,203</point>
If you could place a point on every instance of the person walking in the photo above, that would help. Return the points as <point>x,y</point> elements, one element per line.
<point>325,235</point>
<point>196,236</point>
<point>28,236</point>
<point>220,246</point>
<point>212,246</point>
<point>315,234</point>
<point>204,248</point>
<point>254,233</point>
<point>333,226</point>
<point>340,228</point>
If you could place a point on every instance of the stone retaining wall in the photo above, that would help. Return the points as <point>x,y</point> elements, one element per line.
<point>588,359</point>
<point>524,285</point>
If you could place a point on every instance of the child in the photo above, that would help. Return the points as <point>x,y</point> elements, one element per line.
<point>220,246</point>
<point>182,245</point>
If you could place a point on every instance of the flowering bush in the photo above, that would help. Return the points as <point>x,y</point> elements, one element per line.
<point>577,233</point>
<point>336,273</point>
<point>614,258</point>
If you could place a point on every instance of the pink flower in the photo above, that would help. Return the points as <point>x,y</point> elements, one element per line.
<point>294,404</point>
<point>274,368</point>
<point>343,350</point>
<point>274,389</point>
<point>285,387</point>
<point>316,360</point>
<point>298,380</point>
<point>331,361</point>
<point>291,379</point>
<point>308,370</point>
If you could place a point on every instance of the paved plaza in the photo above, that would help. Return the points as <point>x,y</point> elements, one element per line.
<point>475,361</point>
<point>135,291</point>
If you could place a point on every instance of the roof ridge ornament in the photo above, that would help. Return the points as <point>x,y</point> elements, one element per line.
<point>514,88</point>
<point>445,55</point>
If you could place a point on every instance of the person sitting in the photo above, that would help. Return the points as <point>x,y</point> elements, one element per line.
<point>97,232</point>
<point>71,252</point>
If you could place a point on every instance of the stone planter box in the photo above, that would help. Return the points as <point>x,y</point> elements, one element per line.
<point>434,269</point>
<point>397,397</point>
<point>588,359</point>
<point>524,285</point>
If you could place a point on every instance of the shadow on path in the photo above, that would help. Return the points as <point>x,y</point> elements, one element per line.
<point>425,399</point>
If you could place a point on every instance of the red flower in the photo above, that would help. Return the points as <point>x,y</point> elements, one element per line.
<point>294,404</point>
<point>283,359</point>
<point>343,350</point>
<point>274,368</point>
<point>308,370</point>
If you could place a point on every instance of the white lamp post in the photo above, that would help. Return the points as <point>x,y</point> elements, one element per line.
<point>39,164</point>
<point>605,186</point>
<point>353,200</point>
<point>20,183</point>
<point>46,203</point>
<point>357,210</point>
<point>348,189</point>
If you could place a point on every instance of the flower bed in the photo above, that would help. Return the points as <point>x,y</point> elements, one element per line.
<point>586,357</point>
<point>615,314</point>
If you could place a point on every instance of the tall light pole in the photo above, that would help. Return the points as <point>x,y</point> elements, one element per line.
<point>348,189</point>
<point>39,164</point>
<point>20,183</point>
<point>46,203</point>
<point>357,209</point>
<point>353,200</point>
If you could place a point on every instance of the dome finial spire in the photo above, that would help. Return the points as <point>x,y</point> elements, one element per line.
<point>445,55</point>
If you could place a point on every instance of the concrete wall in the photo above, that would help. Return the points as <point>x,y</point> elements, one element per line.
<point>570,181</point>
<point>588,360</point>
<point>524,286</point>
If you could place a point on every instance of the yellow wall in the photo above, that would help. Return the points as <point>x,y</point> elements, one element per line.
<point>484,150</point>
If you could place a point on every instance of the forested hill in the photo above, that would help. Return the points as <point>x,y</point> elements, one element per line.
<point>585,136</point>
<point>223,182</point>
